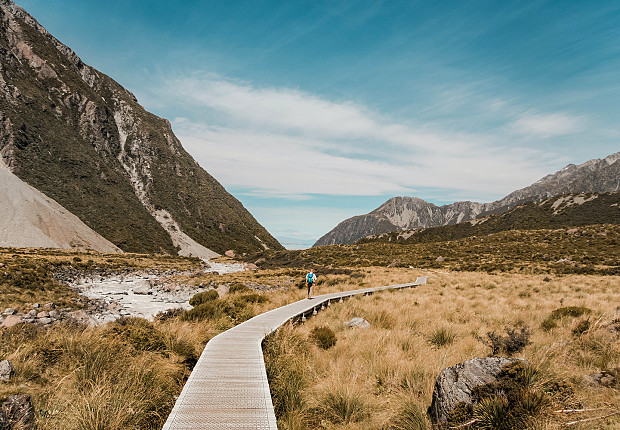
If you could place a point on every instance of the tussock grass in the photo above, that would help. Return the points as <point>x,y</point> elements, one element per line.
<point>391,367</point>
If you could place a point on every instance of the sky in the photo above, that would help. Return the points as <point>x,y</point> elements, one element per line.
<point>310,112</point>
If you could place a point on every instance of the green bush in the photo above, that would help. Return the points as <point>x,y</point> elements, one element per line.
<point>323,336</point>
<point>238,287</point>
<point>205,296</point>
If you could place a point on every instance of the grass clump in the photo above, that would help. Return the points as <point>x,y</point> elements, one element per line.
<point>324,337</point>
<point>139,333</point>
<point>342,405</point>
<point>285,354</point>
<point>205,296</point>
<point>441,337</point>
<point>409,417</point>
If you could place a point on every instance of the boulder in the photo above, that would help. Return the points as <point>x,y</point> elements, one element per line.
<point>455,384</point>
<point>357,322</point>
<point>440,259</point>
<point>230,253</point>
<point>6,370</point>
<point>9,311</point>
<point>142,287</point>
<point>19,411</point>
<point>11,320</point>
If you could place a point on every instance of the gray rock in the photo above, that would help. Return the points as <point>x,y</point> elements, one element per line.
<point>357,322</point>
<point>604,379</point>
<point>6,370</point>
<point>54,314</point>
<point>440,259</point>
<point>36,306</point>
<point>45,321</point>
<point>455,384</point>
<point>43,314</point>
<point>142,287</point>
<point>33,313</point>
<point>19,411</point>
<point>9,311</point>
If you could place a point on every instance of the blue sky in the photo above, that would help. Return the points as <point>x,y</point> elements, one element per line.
<point>310,112</point>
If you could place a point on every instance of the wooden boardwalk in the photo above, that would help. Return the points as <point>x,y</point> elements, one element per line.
<point>228,387</point>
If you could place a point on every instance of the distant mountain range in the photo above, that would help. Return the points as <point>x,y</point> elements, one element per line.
<point>81,139</point>
<point>409,213</point>
<point>570,210</point>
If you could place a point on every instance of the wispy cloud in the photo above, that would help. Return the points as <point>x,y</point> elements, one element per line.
<point>289,143</point>
<point>548,125</point>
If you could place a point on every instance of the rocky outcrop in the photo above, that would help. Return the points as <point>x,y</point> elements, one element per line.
<point>83,140</point>
<point>410,213</point>
<point>456,384</point>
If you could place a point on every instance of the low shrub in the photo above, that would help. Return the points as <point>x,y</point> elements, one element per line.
<point>205,296</point>
<point>323,336</point>
<point>569,311</point>
<point>205,311</point>
<point>238,287</point>
<point>169,314</point>
<point>514,341</point>
<point>250,298</point>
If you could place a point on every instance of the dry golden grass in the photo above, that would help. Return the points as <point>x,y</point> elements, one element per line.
<point>395,362</point>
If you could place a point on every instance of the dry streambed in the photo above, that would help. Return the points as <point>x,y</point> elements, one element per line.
<point>141,294</point>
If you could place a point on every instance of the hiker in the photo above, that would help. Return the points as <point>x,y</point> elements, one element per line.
<point>310,280</point>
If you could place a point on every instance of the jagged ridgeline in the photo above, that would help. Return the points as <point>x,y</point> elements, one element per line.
<point>571,210</point>
<point>82,139</point>
<point>408,213</point>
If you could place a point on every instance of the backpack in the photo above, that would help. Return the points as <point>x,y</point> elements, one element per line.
<point>310,278</point>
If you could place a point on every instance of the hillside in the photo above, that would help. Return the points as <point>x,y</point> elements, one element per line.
<point>408,213</point>
<point>572,210</point>
<point>83,140</point>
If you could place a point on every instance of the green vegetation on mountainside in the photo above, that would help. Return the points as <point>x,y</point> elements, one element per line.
<point>60,135</point>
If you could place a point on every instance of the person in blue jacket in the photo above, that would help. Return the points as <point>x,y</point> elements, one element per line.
<point>310,281</point>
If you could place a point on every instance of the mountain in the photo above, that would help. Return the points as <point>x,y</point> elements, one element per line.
<point>84,141</point>
<point>408,213</point>
<point>571,210</point>
<point>31,219</point>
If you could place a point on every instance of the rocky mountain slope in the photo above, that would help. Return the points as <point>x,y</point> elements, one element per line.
<point>31,219</point>
<point>80,138</point>
<point>566,211</point>
<point>408,213</point>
